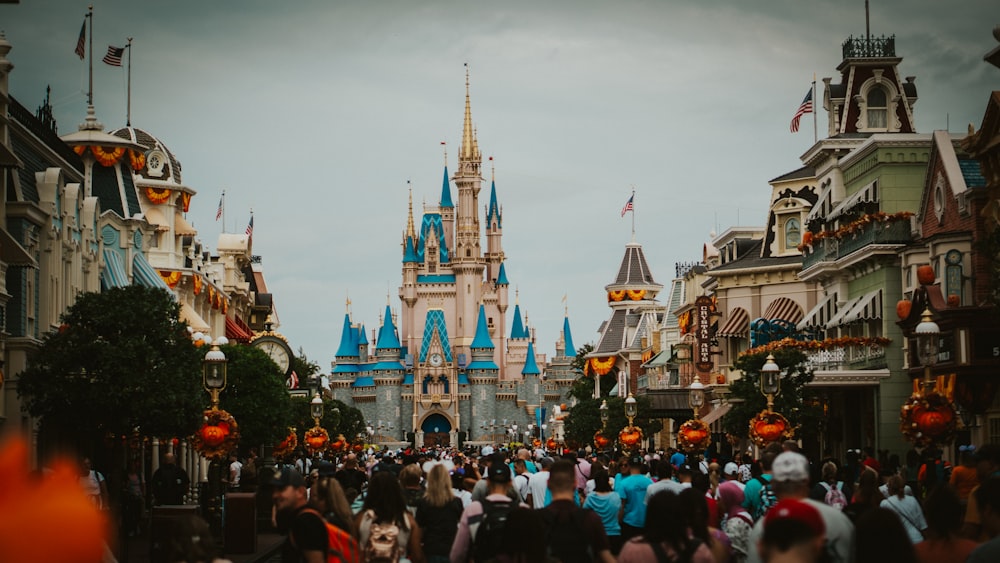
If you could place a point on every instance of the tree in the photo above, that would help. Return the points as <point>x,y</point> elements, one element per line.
<point>122,360</point>
<point>304,367</point>
<point>256,396</point>
<point>794,400</point>
<point>338,418</point>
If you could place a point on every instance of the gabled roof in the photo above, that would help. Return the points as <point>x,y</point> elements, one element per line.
<point>517,329</point>
<point>797,174</point>
<point>612,338</point>
<point>387,338</point>
<point>446,192</point>
<point>432,223</point>
<point>530,365</point>
<point>751,258</point>
<point>435,324</point>
<point>482,339</point>
<point>570,350</point>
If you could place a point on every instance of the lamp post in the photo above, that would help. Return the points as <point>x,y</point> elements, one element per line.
<point>603,409</point>
<point>213,370</point>
<point>217,434</point>
<point>927,332</point>
<point>316,438</point>
<point>770,381</point>
<point>928,417</point>
<point>631,408</point>
<point>696,396</point>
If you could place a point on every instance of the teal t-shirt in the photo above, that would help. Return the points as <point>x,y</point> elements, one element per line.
<point>751,493</point>
<point>632,490</point>
<point>606,506</point>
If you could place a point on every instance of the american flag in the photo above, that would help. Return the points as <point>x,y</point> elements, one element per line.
<point>82,40</point>
<point>806,107</point>
<point>250,227</point>
<point>628,206</point>
<point>114,56</point>
<point>218,212</point>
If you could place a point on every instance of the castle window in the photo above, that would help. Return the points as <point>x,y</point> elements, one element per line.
<point>878,109</point>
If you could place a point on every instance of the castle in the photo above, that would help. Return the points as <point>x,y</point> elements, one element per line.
<point>446,369</point>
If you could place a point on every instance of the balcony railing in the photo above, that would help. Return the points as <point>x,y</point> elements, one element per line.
<point>851,357</point>
<point>869,47</point>
<point>832,249</point>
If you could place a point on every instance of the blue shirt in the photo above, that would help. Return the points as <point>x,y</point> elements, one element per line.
<point>606,506</point>
<point>632,490</point>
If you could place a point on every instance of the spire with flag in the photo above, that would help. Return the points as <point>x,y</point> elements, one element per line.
<point>628,205</point>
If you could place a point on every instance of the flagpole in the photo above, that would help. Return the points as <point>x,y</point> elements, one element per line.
<point>815,111</point>
<point>223,211</point>
<point>90,83</point>
<point>633,213</point>
<point>128,106</point>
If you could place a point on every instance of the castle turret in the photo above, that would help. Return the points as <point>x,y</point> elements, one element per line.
<point>494,236</point>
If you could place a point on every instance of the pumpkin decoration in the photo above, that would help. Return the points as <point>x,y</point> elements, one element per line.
<point>601,442</point>
<point>217,436</point>
<point>769,427</point>
<point>286,447</point>
<point>928,419</point>
<point>903,308</point>
<point>536,442</point>
<point>925,274</point>
<point>551,444</point>
<point>316,439</point>
<point>601,366</point>
<point>694,436</point>
<point>954,300</point>
<point>630,436</point>
<point>358,448</point>
<point>340,445</point>
<point>636,294</point>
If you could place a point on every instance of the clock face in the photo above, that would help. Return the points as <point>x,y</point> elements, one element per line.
<point>436,359</point>
<point>277,351</point>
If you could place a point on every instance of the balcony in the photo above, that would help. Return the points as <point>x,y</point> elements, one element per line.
<point>869,47</point>
<point>833,249</point>
<point>848,358</point>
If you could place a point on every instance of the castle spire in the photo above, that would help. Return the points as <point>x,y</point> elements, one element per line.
<point>411,231</point>
<point>469,149</point>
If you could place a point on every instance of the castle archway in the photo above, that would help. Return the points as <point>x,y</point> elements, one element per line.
<point>436,428</point>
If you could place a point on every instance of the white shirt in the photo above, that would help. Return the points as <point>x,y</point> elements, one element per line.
<point>665,485</point>
<point>839,534</point>
<point>235,470</point>
<point>537,485</point>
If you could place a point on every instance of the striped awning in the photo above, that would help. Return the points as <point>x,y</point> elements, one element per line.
<point>866,194</point>
<point>144,274</point>
<point>737,325</point>
<point>785,309</point>
<point>864,308</point>
<point>193,319</point>
<point>114,274</point>
<point>821,314</point>
<point>235,330</point>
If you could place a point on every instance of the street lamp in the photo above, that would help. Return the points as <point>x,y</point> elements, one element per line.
<point>213,370</point>
<point>316,408</point>
<point>770,380</point>
<point>631,408</point>
<point>603,409</point>
<point>696,395</point>
<point>927,332</point>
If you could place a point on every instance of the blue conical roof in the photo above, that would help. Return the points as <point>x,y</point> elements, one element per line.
<point>530,366</point>
<point>410,250</point>
<point>494,209</point>
<point>570,350</point>
<point>502,276</point>
<point>362,337</point>
<point>517,330</point>
<point>446,191</point>
<point>387,338</point>
<point>348,342</point>
<point>482,339</point>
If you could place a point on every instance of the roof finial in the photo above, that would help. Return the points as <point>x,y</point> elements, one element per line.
<point>493,170</point>
<point>411,232</point>
<point>444,148</point>
<point>517,295</point>
<point>347,305</point>
<point>565,304</point>
<point>467,152</point>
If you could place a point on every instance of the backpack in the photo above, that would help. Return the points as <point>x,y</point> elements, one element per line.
<point>566,536</point>
<point>488,539</point>
<point>341,546</point>
<point>386,540</point>
<point>835,495</point>
<point>767,498</point>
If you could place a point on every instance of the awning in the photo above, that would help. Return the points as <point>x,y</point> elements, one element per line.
<point>182,227</point>
<point>114,274</point>
<point>155,217</point>
<point>13,253</point>
<point>785,309</point>
<point>866,307</point>
<point>737,325</point>
<point>193,319</point>
<point>820,314</point>
<point>659,360</point>
<point>867,194</point>
<point>144,274</point>
<point>236,332</point>
<point>716,413</point>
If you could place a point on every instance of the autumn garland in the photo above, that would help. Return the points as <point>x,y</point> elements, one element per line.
<point>810,345</point>
<point>928,419</point>
<point>287,446</point>
<point>225,422</point>
<point>693,428</point>
<point>854,226</point>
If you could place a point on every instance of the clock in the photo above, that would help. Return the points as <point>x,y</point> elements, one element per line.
<point>277,349</point>
<point>436,359</point>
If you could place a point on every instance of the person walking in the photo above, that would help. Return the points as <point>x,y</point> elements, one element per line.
<point>574,534</point>
<point>306,540</point>
<point>386,529</point>
<point>736,522</point>
<point>632,490</point>
<point>608,505</point>
<point>665,535</point>
<point>480,529</point>
<point>94,484</point>
<point>907,508</point>
<point>438,513</point>
<point>170,482</point>
<point>944,519</point>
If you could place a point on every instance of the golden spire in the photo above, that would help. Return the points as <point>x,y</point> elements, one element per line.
<point>411,232</point>
<point>475,144</point>
<point>468,150</point>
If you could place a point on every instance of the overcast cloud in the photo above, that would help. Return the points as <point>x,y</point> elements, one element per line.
<point>316,113</point>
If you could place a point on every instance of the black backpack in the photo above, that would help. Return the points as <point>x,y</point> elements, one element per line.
<point>566,535</point>
<point>488,540</point>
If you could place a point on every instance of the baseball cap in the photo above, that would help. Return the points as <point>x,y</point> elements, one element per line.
<point>636,460</point>
<point>795,510</point>
<point>498,473</point>
<point>790,466</point>
<point>288,477</point>
<point>730,469</point>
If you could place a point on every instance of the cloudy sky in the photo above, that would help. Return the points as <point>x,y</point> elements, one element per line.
<point>316,113</point>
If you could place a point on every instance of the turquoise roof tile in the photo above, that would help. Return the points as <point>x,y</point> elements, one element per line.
<point>435,323</point>
<point>348,343</point>
<point>387,338</point>
<point>385,366</point>
<point>568,337</point>
<point>346,368</point>
<point>463,379</point>
<point>482,338</point>
<point>480,364</point>
<point>502,276</point>
<point>517,329</point>
<point>362,337</point>
<point>494,209</point>
<point>364,381</point>
<point>436,278</point>
<point>972,172</point>
<point>431,222</point>
<point>446,192</point>
<point>408,379</point>
<point>530,365</point>
<point>409,251</point>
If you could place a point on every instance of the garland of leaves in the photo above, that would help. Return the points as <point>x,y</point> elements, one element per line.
<point>853,227</point>
<point>286,447</point>
<point>769,417</point>
<point>827,344</point>
<point>693,425</point>
<point>225,421</point>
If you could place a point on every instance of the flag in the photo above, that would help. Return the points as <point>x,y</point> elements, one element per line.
<point>250,227</point>
<point>293,380</point>
<point>82,40</point>
<point>805,107</point>
<point>218,212</point>
<point>114,56</point>
<point>628,206</point>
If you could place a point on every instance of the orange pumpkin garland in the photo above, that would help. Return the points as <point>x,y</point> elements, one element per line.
<point>217,436</point>
<point>694,435</point>
<point>769,427</point>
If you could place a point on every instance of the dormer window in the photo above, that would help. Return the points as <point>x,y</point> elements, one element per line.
<point>793,233</point>
<point>877,108</point>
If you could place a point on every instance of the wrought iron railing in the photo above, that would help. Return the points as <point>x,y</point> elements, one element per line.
<point>869,47</point>
<point>851,357</point>
<point>895,232</point>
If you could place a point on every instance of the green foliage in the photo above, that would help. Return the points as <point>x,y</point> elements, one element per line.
<point>584,419</point>
<point>304,367</point>
<point>794,400</point>
<point>256,396</point>
<point>338,418</point>
<point>122,360</point>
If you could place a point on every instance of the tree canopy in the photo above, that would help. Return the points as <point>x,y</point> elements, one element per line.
<point>122,360</point>
<point>256,396</point>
